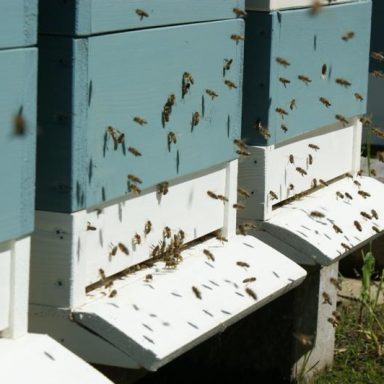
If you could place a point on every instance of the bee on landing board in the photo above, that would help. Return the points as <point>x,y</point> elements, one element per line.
<point>239,12</point>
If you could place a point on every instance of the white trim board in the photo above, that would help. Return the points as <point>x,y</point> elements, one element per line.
<point>155,321</point>
<point>316,237</point>
<point>269,5</point>
<point>37,359</point>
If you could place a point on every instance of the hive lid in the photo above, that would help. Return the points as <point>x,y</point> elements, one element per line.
<point>267,5</point>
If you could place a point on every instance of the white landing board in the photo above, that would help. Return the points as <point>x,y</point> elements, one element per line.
<point>267,5</point>
<point>154,321</point>
<point>316,237</point>
<point>38,359</point>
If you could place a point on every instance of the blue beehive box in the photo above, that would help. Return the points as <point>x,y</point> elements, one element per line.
<point>327,50</point>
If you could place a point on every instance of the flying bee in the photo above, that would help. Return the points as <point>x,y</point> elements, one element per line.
<point>337,229</point>
<point>90,227</point>
<point>219,236</point>
<point>345,246</point>
<point>262,130</point>
<point>305,79</point>
<point>313,146</point>
<point>343,120</point>
<point>222,198</point>
<point>113,293</point>
<point>211,93</point>
<point>238,206</point>
<point>310,159</point>
<point>123,248</point>
<point>377,56</point>
<point>357,225</point>
<point>171,138</point>
<point>136,239</point>
<point>282,112</point>
<point>291,159</point>
<point>148,278</point>
<point>141,13</point>
<point>378,132</point>
<point>336,283</point>
<point>377,230</point>
<point>230,84</point>
<point>240,144</point>
<point>134,179</point>
<point>343,82</point>
<point>19,124</point>
<point>283,62</point>
<point>326,298</point>
<point>372,172</point>
<point>305,340</point>
<point>325,101</point>
<point>358,96</point>
<point>273,195</point>
<point>317,214</point>
<point>291,187</point>
<point>347,195</point>
<point>251,293</point>
<point>242,229</point>
<point>188,77</point>
<point>227,65</point>
<point>134,151</point>
<point>333,321</point>
<point>239,12</point>
<point>315,7</point>
<point>181,235</point>
<point>140,120</point>
<point>155,251</point>
<point>113,250</point>
<point>374,214</point>
<point>366,215</point>
<point>196,292</point>
<point>162,188</point>
<point>357,183</point>
<point>364,194</point>
<point>186,83</point>
<point>117,136</point>
<point>366,121</point>
<point>213,195</point>
<point>302,171</point>
<point>284,81</point>
<point>242,264</point>
<point>167,233</point>
<point>102,274</point>
<point>336,315</point>
<point>195,119</point>
<point>360,173</point>
<point>292,104</point>
<point>380,156</point>
<point>134,188</point>
<point>209,254</point>
<point>243,192</point>
<point>349,175</point>
<point>348,35</point>
<point>284,128</point>
<point>241,152</point>
<point>249,280</point>
<point>339,194</point>
<point>147,227</point>
<point>324,183</point>
<point>377,73</point>
<point>237,38</point>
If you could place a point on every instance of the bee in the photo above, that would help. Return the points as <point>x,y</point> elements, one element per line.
<point>117,136</point>
<point>291,159</point>
<point>324,183</point>
<point>171,138</point>
<point>348,35</point>
<point>378,132</point>
<point>347,195</point>
<point>134,188</point>
<point>170,264</point>
<point>310,159</point>
<point>284,128</point>
<point>238,206</point>
<point>377,56</point>
<point>240,144</point>
<point>336,283</point>
<point>140,120</point>
<point>251,293</point>
<point>373,172</point>
<point>134,179</point>
<point>326,298</point>
<point>380,156</point>
<point>317,214</point>
<point>113,293</point>
<point>358,96</point>
<point>90,227</point>
<point>102,274</point>
<point>196,292</point>
<point>242,229</point>
<point>364,194</point>
<point>242,264</point>
<point>313,146</point>
<point>305,340</point>
<point>167,109</point>
<point>213,195</point>
<point>249,280</point>
<point>315,7</point>
<point>181,234</point>
<point>366,121</point>
<point>230,84</point>
<point>123,248</point>
<point>301,171</point>
<point>241,152</point>
<point>343,120</point>
<point>345,246</point>
<point>222,198</point>
<point>108,284</point>
<point>262,130</point>
<point>113,250</point>
<point>360,173</point>
<point>284,81</point>
<point>357,183</point>
<point>195,119</point>
<point>227,65</point>
<point>377,230</point>
<point>187,81</point>
<point>339,194</point>
<point>343,82</point>
<point>134,151</point>
<point>305,79</point>
<point>136,239</point>
<point>273,195</point>
<point>377,73</point>
<point>237,38</point>
<point>283,62</point>
<point>162,188</point>
<point>333,321</point>
<point>211,93</point>
<point>337,229</point>
<point>147,227</point>
<point>292,104</point>
<point>325,101</point>
<point>349,175</point>
<point>220,237</point>
<point>358,225</point>
<point>209,254</point>
<point>314,183</point>
<point>374,214</point>
<point>167,233</point>
<point>291,187</point>
<point>148,278</point>
<point>366,215</point>
<point>19,125</point>
<point>243,192</point>
<point>155,251</point>
<point>282,112</point>
<point>239,12</point>
<point>336,315</point>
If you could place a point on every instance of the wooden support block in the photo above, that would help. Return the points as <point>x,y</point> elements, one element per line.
<point>277,52</point>
<point>269,5</point>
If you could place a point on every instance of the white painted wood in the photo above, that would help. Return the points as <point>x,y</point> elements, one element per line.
<point>37,359</point>
<point>377,165</point>
<point>229,229</point>
<point>315,237</point>
<point>5,284</point>
<point>267,5</point>
<point>66,257</point>
<point>156,321</point>
<point>269,168</point>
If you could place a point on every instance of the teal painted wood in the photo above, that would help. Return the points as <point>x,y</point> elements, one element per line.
<point>307,42</point>
<point>18,72</point>
<point>18,23</point>
<point>87,85</point>
<point>89,17</point>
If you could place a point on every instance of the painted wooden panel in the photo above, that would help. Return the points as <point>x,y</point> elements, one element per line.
<point>18,23</point>
<point>117,77</point>
<point>18,72</point>
<point>268,5</point>
<point>5,285</point>
<point>69,249</point>
<point>377,43</point>
<point>308,44</point>
<point>156,321</point>
<point>89,17</point>
<point>375,108</point>
<point>290,169</point>
<point>317,237</point>
<point>39,359</point>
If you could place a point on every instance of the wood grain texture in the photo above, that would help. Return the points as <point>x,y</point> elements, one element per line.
<point>157,321</point>
<point>117,77</point>
<point>18,23</point>
<point>269,5</point>
<point>280,34</point>
<point>5,284</point>
<point>89,17</point>
<point>18,73</point>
